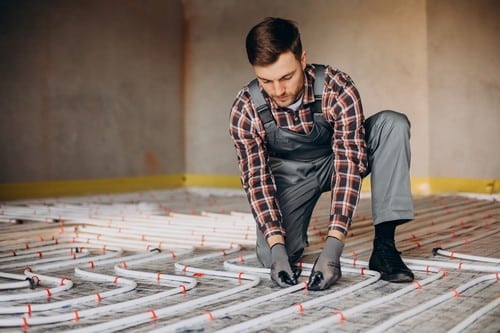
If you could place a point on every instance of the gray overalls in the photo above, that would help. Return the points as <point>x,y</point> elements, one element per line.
<point>302,166</point>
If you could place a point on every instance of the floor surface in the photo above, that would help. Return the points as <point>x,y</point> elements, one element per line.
<point>183,261</point>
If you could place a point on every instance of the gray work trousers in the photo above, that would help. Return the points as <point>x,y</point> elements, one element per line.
<point>388,149</point>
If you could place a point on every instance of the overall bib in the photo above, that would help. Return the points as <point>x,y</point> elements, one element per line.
<point>301,165</point>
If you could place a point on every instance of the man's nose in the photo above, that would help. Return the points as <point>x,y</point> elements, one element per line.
<point>279,88</point>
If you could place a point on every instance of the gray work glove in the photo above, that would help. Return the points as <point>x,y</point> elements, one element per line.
<point>281,271</point>
<point>326,270</point>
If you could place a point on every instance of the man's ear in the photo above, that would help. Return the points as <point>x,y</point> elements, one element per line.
<point>303,60</point>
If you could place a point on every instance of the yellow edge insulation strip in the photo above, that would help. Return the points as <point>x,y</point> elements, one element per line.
<point>14,191</point>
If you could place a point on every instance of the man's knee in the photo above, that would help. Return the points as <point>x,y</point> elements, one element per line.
<point>394,119</point>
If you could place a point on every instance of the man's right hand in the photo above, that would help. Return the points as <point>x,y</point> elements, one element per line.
<point>281,271</point>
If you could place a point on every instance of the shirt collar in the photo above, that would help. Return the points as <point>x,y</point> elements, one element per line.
<point>308,96</point>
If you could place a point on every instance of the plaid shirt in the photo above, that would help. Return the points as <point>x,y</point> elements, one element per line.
<point>341,106</point>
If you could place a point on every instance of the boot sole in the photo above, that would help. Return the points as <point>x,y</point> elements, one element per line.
<point>397,278</point>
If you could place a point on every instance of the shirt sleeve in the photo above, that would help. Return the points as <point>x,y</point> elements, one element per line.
<point>342,105</point>
<point>255,172</point>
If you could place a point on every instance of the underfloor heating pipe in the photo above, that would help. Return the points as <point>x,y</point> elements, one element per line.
<point>458,255</point>
<point>454,265</point>
<point>188,228</point>
<point>15,245</point>
<point>51,259</point>
<point>34,237</point>
<point>109,235</point>
<point>422,238</point>
<point>208,316</point>
<point>429,241</point>
<point>132,244</point>
<point>24,282</point>
<point>463,325</point>
<point>169,236</point>
<point>129,244</point>
<point>76,315</point>
<point>453,293</point>
<point>154,314</point>
<point>421,217</point>
<point>180,226</point>
<point>97,297</point>
<point>298,308</point>
<point>340,316</point>
<point>432,263</point>
<point>46,251</point>
<point>108,253</point>
<point>451,236</point>
<point>15,285</point>
<point>184,223</point>
<point>174,220</point>
<point>31,320</point>
<point>57,285</point>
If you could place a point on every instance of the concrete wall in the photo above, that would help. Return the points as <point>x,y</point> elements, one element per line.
<point>90,89</point>
<point>122,88</point>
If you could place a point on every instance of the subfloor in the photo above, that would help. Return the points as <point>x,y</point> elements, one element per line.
<point>183,261</point>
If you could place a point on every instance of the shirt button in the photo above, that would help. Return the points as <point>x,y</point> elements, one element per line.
<point>296,118</point>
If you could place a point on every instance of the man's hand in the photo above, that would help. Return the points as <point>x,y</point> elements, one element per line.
<point>281,271</point>
<point>326,270</point>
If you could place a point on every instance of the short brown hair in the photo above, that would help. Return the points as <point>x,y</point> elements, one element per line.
<point>270,38</point>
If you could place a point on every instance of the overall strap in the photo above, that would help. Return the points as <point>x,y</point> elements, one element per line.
<point>263,109</point>
<point>319,85</point>
<point>319,81</point>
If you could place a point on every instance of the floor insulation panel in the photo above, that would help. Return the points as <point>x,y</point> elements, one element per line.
<point>184,261</point>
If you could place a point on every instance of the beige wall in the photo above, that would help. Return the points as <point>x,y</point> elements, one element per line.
<point>381,44</point>
<point>436,61</point>
<point>90,89</point>
<point>123,88</point>
<point>464,88</point>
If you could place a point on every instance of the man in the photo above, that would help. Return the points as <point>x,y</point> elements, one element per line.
<point>299,131</point>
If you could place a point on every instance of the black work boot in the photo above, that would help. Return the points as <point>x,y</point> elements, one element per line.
<point>386,259</point>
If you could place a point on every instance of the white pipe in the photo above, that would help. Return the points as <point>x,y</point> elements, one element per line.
<point>260,321</point>
<point>40,250</point>
<point>171,236</point>
<point>187,269</point>
<point>219,313</point>
<point>17,264</point>
<point>130,245</point>
<point>436,263</point>
<point>45,280</point>
<point>74,315</point>
<point>454,255</point>
<point>154,314</point>
<point>458,266</point>
<point>24,282</point>
<point>97,297</point>
<point>15,285</point>
<point>26,246</point>
<point>491,278</point>
<point>109,253</point>
<point>339,316</point>
<point>475,316</point>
